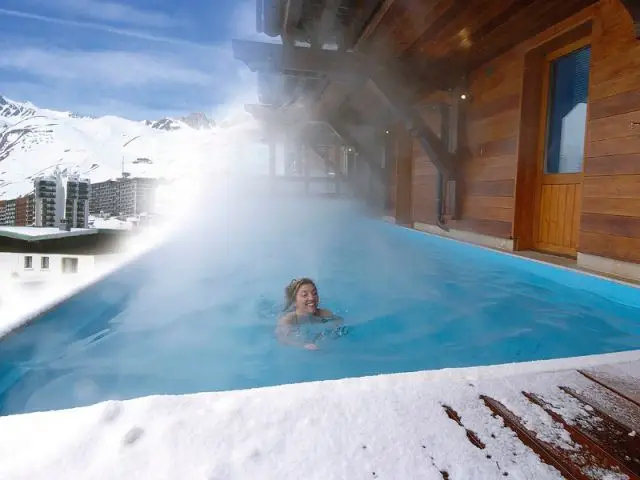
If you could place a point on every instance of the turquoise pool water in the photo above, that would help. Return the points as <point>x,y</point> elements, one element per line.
<point>198,314</point>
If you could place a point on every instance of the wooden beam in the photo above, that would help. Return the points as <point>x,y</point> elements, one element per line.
<point>328,20</point>
<point>273,57</point>
<point>325,161</point>
<point>373,24</point>
<point>633,7</point>
<point>292,15</point>
<point>392,92</point>
<point>403,152</point>
<point>368,152</point>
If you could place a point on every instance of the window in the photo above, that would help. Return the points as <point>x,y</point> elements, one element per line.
<point>69,265</point>
<point>567,112</point>
<point>44,263</point>
<point>28,262</point>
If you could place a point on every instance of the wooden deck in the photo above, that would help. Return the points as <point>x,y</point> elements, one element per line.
<point>596,424</point>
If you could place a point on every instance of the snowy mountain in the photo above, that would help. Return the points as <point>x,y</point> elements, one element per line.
<point>198,121</point>
<point>34,141</point>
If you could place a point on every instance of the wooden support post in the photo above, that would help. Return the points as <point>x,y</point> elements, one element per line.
<point>457,138</point>
<point>272,163</point>
<point>370,192</point>
<point>403,142</point>
<point>338,152</point>
<point>307,169</point>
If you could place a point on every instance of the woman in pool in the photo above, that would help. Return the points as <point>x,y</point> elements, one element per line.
<point>302,301</point>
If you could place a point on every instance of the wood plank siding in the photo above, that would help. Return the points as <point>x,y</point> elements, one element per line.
<point>497,175</point>
<point>610,221</point>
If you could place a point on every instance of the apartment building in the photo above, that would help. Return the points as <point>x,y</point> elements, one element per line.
<point>17,211</point>
<point>31,209</point>
<point>76,210</point>
<point>49,200</point>
<point>124,196</point>
<point>138,195</point>
<point>103,198</point>
<point>10,212</point>
<point>22,207</point>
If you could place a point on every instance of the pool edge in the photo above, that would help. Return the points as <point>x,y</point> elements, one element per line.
<point>627,282</point>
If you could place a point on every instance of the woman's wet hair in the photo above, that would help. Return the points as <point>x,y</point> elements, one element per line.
<point>291,290</point>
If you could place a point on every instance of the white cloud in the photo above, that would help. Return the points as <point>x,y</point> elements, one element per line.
<point>115,68</point>
<point>101,27</point>
<point>107,12</point>
<point>170,75</point>
<point>110,103</point>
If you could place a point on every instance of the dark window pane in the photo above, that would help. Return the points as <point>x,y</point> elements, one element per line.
<point>567,120</point>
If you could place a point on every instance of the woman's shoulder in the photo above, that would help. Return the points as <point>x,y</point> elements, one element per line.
<point>288,318</point>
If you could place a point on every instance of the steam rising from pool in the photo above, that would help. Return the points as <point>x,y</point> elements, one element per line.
<point>198,312</point>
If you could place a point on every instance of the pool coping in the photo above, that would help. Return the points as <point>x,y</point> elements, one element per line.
<point>531,367</point>
<point>515,255</point>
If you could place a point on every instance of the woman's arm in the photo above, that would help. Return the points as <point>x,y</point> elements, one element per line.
<point>328,316</point>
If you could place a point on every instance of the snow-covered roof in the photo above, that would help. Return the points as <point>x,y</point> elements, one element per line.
<point>111,223</point>
<point>33,234</point>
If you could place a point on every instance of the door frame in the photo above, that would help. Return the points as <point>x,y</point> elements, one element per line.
<point>532,129</point>
<point>556,178</point>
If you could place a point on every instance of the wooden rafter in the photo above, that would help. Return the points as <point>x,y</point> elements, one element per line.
<point>366,151</point>
<point>297,61</point>
<point>633,7</point>
<point>292,15</point>
<point>354,68</point>
<point>372,24</point>
<point>328,19</point>
<point>435,149</point>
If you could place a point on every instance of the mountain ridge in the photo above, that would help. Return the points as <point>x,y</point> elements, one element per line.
<point>34,141</point>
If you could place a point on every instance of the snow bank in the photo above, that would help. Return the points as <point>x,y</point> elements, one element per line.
<point>389,426</point>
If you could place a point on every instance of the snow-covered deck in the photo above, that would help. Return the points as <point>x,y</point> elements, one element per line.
<point>447,424</point>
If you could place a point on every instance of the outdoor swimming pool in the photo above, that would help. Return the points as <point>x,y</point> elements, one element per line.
<point>198,314</point>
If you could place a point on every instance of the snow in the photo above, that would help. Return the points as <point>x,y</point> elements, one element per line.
<point>37,140</point>
<point>112,223</point>
<point>386,427</point>
<point>43,232</point>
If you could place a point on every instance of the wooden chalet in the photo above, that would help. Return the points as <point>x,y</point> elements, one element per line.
<point>514,123</point>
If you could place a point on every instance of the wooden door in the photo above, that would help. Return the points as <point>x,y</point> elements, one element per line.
<point>561,152</point>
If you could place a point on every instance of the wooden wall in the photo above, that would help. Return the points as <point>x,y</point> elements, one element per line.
<point>610,221</point>
<point>489,161</point>
<point>498,133</point>
<point>489,164</point>
<point>424,173</point>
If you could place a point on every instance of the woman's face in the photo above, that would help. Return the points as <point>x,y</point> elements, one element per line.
<point>307,299</point>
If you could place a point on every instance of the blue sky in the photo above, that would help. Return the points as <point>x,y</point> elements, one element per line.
<point>135,58</point>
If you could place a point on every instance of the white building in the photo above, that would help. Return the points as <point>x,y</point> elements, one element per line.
<point>42,267</point>
<point>49,202</point>
<point>31,255</point>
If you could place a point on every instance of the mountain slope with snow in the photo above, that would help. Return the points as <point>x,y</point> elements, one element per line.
<point>34,141</point>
